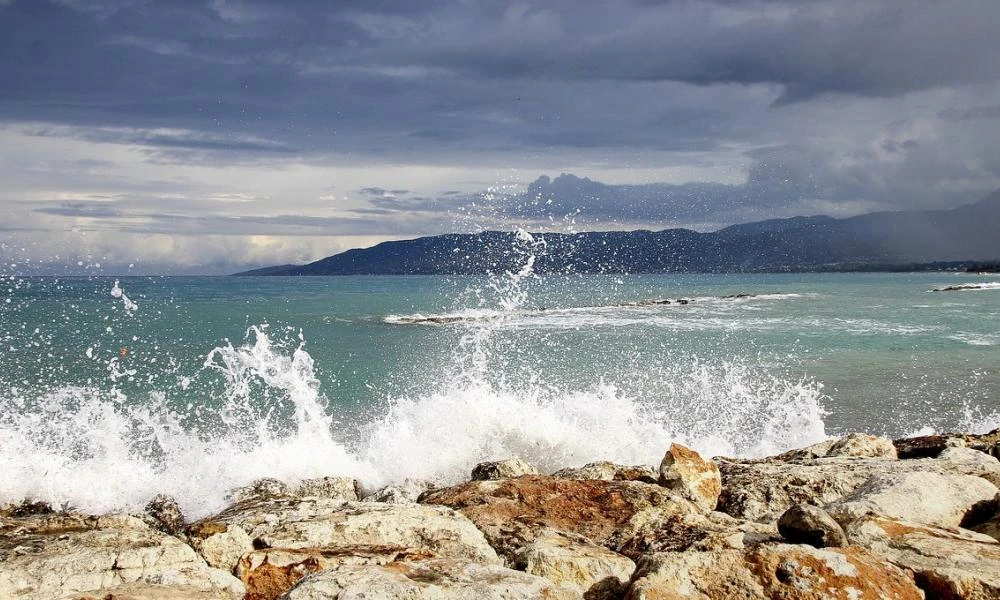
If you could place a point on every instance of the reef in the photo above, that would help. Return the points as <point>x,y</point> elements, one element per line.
<point>856,517</point>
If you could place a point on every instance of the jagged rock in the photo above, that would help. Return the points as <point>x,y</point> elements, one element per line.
<point>948,563</point>
<point>863,445</point>
<point>54,556</point>
<point>161,590</point>
<point>931,498</point>
<point>761,490</point>
<point>259,489</point>
<point>433,579</point>
<point>337,488</point>
<point>932,445</point>
<point>502,469</point>
<point>220,545</point>
<point>817,450</point>
<point>807,524</point>
<point>686,472</point>
<point>269,573</point>
<point>163,513</point>
<point>577,565</point>
<point>789,572</point>
<point>696,532</point>
<point>609,471</point>
<point>325,523</point>
<point>973,462</point>
<point>406,492</point>
<point>511,512</point>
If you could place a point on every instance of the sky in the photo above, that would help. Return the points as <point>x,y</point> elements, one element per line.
<point>210,136</point>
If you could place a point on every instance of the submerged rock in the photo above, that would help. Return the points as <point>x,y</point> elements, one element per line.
<point>55,556</point>
<point>502,469</point>
<point>684,471</point>
<point>433,579</point>
<point>512,512</point>
<point>806,524</point>
<point>789,572</point>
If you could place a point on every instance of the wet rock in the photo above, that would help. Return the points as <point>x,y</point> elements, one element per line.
<point>163,513</point>
<point>259,489</point>
<point>437,579</point>
<point>609,471</point>
<point>406,492</point>
<point>789,572</point>
<point>806,524</point>
<point>684,471</point>
<point>512,512</point>
<point>54,556</point>
<point>269,573</point>
<point>337,488</point>
<point>577,565</point>
<point>325,523</point>
<point>948,563</point>
<point>932,445</point>
<point>502,469</point>
<point>863,445</point>
<point>932,498</point>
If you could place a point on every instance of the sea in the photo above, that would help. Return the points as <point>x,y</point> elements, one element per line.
<point>115,389</point>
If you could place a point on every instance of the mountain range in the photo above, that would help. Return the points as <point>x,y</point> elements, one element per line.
<point>874,241</point>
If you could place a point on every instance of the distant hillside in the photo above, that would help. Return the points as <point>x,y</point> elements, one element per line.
<point>874,241</point>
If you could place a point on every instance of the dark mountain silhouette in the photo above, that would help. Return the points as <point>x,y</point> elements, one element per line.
<point>875,241</point>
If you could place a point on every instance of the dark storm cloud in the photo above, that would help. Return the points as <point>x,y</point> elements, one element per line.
<point>394,77</point>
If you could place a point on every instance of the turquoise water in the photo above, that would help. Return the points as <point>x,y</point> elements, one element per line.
<point>194,385</point>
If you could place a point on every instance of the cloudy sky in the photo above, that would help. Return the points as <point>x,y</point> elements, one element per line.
<point>212,135</point>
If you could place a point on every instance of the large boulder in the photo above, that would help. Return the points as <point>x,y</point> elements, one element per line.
<point>922,497</point>
<point>404,492</point>
<point>762,490</point>
<point>577,565</point>
<point>432,579</point>
<point>948,563</point>
<point>502,469</point>
<point>863,445</point>
<point>324,523</point>
<point>686,472</point>
<point>789,572</point>
<point>332,488</point>
<point>54,556</point>
<point>512,512</point>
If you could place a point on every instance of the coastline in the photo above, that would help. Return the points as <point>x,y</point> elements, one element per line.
<point>859,516</point>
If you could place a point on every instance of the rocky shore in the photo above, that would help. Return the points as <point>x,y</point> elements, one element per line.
<point>852,518</point>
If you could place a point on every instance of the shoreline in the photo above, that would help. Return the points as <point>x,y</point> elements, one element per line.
<point>859,516</point>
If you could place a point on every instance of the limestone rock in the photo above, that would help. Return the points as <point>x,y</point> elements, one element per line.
<point>807,524</point>
<point>259,489</point>
<point>686,472</point>
<point>337,488</point>
<point>55,556</point>
<point>948,563</point>
<point>325,523</point>
<point>932,498</point>
<point>433,579</point>
<point>577,565</point>
<point>696,532</point>
<point>405,492</point>
<point>163,513</point>
<point>863,445</point>
<point>502,469</point>
<point>973,462</point>
<point>789,572</point>
<point>269,573</point>
<point>817,450</point>
<point>220,545</point>
<point>609,471</point>
<point>511,512</point>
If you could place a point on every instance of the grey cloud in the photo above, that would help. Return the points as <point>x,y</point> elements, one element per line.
<point>970,114</point>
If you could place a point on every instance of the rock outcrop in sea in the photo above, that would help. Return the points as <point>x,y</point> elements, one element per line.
<point>856,517</point>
